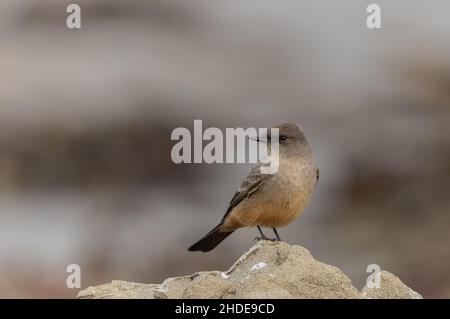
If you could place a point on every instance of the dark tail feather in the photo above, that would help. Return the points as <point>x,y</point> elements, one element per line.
<point>210,240</point>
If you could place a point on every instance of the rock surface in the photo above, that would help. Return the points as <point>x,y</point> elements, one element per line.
<point>267,270</point>
<point>391,287</point>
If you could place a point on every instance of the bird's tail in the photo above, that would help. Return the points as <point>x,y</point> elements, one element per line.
<point>210,240</point>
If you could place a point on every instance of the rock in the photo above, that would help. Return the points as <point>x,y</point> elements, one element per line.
<point>267,270</point>
<point>391,287</point>
<point>120,289</point>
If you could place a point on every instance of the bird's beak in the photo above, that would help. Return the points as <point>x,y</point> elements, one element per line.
<point>257,139</point>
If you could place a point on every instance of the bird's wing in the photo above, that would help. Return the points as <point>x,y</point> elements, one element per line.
<point>250,185</point>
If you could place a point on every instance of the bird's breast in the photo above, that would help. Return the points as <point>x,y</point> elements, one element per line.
<point>279,200</point>
<point>285,195</point>
<point>295,185</point>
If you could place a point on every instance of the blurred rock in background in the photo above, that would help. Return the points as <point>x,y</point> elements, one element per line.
<point>86,117</point>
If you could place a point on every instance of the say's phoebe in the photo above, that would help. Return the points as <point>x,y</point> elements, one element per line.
<point>270,200</point>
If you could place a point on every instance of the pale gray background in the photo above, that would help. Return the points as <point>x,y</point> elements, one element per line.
<point>86,117</point>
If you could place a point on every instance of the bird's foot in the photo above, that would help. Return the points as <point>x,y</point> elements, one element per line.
<point>258,238</point>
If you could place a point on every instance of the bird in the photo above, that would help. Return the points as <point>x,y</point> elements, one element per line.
<point>270,200</point>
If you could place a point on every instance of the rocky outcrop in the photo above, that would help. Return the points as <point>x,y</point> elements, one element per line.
<point>267,270</point>
<point>390,287</point>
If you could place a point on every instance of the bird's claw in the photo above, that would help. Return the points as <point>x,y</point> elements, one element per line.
<point>258,238</point>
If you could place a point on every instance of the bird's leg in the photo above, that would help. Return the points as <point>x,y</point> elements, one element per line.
<point>263,237</point>
<point>276,234</point>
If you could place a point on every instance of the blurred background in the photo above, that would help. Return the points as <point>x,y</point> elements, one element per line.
<point>86,117</point>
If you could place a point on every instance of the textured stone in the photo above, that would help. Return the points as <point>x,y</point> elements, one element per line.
<point>267,270</point>
<point>391,287</point>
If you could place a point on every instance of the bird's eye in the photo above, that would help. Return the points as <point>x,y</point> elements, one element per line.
<point>283,137</point>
